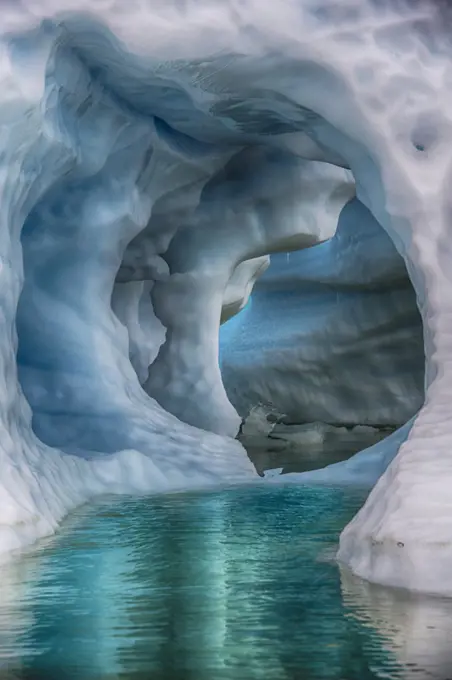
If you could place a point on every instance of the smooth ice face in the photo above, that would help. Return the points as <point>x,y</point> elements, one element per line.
<point>152,155</point>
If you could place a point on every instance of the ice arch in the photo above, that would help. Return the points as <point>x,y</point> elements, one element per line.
<point>231,229</point>
<point>203,83</point>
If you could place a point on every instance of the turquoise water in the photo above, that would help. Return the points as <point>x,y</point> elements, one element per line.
<point>239,584</point>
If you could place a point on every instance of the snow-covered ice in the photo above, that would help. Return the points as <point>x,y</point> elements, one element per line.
<point>153,155</point>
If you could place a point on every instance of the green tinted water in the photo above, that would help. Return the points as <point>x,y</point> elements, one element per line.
<point>236,585</point>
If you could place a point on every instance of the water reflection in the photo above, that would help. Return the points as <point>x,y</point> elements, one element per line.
<point>416,629</point>
<point>239,584</point>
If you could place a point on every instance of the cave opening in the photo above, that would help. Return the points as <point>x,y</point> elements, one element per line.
<point>152,237</point>
<point>159,227</point>
<point>151,188</point>
<point>327,357</point>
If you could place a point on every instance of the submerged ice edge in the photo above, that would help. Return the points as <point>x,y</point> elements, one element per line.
<point>389,124</point>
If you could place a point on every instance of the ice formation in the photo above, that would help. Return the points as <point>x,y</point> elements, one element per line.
<point>335,362</point>
<point>154,154</point>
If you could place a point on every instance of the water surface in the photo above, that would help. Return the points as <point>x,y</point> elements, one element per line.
<point>239,584</point>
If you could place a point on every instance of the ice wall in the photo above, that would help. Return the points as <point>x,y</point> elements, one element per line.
<point>63,134</point>
<point>332,333</point>
<point>150,142</point>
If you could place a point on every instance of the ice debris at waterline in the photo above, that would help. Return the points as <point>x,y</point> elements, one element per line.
<point>153,156</point>
<point>308,446</point>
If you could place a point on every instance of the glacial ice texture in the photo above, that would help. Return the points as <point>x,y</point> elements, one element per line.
<point>153,155</point>
<point>332,333</point>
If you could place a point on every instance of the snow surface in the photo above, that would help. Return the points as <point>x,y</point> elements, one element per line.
<point>148,149</point>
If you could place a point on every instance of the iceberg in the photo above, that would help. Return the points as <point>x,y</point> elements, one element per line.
<point>158,161</point>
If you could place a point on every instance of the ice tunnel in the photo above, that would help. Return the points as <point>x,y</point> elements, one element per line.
<point>163,163</point>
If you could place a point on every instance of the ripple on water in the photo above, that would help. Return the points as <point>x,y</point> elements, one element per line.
<point>236,585</point>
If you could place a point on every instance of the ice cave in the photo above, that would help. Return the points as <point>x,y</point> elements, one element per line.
<point>226,234</point>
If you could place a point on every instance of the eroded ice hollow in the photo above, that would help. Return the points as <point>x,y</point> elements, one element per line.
<point>153,156</point>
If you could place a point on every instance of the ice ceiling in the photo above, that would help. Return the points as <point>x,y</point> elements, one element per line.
<point>153,155</point>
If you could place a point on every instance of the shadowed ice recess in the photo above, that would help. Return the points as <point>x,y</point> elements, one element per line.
<point>213,213</point>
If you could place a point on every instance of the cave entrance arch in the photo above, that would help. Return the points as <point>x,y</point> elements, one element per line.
<point>399,193</point>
